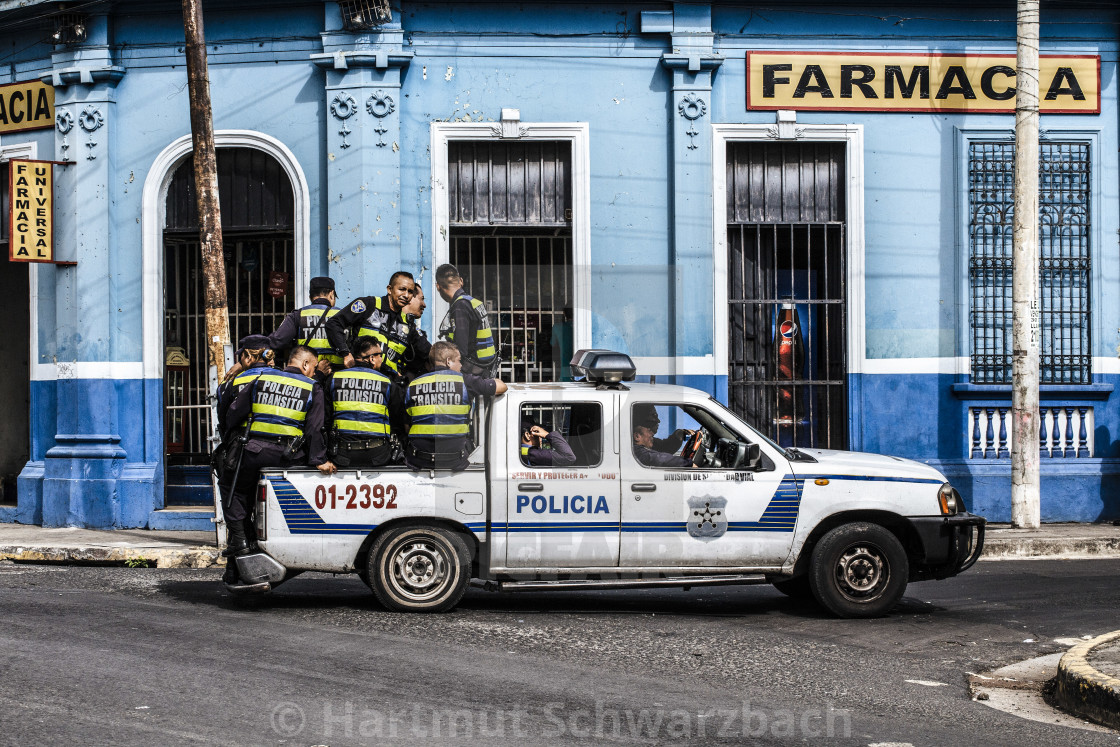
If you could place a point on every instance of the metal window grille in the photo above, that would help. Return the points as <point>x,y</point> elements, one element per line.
<point>786,301</point>
<point>525,282</point>
<point>359,15</point>
<point>252,310</point>
<point>1064,261</point>
<point>787,291</point>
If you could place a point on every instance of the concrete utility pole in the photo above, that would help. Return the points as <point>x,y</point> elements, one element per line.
<point>206,187</point>
<point>1024,282</point>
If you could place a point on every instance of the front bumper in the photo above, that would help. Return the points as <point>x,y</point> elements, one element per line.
<point>948,545</point>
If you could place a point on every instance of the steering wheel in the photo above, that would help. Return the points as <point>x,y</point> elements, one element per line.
<point>693,444</point>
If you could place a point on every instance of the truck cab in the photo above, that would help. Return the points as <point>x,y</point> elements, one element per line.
<point>699,498</point>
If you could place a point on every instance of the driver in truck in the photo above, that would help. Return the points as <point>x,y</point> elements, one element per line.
<point>651,457</point>
<point>646,414</point>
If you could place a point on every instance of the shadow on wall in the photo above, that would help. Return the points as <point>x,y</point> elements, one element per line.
<point>1110,498</point>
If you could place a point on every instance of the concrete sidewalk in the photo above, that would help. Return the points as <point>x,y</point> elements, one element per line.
<point>168,549</point>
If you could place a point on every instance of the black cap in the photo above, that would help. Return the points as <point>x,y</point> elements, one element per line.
<point>252,342</point>
<point>322,283</point>
<point>646,414</point>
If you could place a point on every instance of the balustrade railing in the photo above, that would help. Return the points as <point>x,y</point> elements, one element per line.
<point>1065,432</point>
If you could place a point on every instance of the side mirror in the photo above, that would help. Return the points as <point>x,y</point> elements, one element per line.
<point>753,458</point>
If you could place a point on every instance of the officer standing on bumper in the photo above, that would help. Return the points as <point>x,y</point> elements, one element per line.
<point>307,326</point>
<point>285,413</point>
<point>466,324</point>
<point>384,319</point>
<point>438,409</point>
<point>364,406</point>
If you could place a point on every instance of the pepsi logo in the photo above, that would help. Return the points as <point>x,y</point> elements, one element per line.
<point>787,328</point>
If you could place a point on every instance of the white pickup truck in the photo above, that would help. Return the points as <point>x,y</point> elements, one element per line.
<point>848,529</point>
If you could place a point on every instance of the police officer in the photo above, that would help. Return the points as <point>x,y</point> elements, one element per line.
<point>646,414</point>
<point>438,410</point>
<point>254,357</point>
<point>308,325</point>
<point>384,319</point>
<point>417,356</point>
<point>466,324</point>
<point>650,457</point>
<point>364,406</point>
<point>533,453</point>
<point>285,414</point>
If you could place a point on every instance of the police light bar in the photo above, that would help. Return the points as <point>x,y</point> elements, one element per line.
<point>603,366</point>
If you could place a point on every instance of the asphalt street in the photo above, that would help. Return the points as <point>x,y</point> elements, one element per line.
<point>150,656</point>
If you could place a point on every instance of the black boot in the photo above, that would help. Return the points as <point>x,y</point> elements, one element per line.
<point>236,542</point>
<point>230,576</point>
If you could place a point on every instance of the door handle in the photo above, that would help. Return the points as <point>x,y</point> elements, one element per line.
<point>530,487</point>
<point>643,487</point>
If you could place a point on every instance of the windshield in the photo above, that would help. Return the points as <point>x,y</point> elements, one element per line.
<point>755,434</point>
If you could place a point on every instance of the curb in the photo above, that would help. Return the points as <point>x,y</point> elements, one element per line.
<point>1019,548</point>
<point>162,557</point>
<point>1084,691</point>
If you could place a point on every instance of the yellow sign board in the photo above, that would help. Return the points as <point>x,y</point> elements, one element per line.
<point>888,82</point>
<point>26,106</point>
<point>32,193</point>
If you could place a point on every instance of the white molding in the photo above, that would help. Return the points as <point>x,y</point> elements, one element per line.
<point>578,134</point>
<point>7,153</point>
<point>88,370</point>
<point>852,136</point>
<point>957,365</point>
<point>699,365</point>
<point>153,209</point>
<point>1106,365</point>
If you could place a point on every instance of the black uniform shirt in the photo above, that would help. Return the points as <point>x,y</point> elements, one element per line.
<point>288,330</point>
<point>560,455</point>
<point>651,458</point>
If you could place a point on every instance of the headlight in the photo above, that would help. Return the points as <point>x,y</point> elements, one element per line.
<point>949,499</point>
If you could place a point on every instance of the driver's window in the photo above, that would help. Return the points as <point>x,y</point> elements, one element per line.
<point>665,436</point>
<point>661,435</point>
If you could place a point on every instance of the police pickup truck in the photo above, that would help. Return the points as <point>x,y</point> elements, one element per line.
<point>848,529</point>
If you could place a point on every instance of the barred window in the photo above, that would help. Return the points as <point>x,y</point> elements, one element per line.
<point>1064,262</point>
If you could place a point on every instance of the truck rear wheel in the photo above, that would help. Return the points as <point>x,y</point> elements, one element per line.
<point>419,569</point>
<point>859,570</point>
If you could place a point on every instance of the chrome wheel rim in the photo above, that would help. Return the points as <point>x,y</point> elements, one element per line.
<point>862,572</point>
<point>419,568</point>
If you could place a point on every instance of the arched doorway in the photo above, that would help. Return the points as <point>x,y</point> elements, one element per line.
<point>258,225</point>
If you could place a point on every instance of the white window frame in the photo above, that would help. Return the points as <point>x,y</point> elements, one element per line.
<point>577,134</point>
<point>154,219</point>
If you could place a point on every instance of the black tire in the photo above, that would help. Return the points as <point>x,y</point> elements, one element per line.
<point>419,569</point>
<point>795,588</point>
<point>859,570</point>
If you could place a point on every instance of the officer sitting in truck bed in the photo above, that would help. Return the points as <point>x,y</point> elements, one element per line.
<point>364,404</point>
<point>438,409</point>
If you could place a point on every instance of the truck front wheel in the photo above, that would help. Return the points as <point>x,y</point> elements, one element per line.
<point>419,569</point>
<point>859,570</point>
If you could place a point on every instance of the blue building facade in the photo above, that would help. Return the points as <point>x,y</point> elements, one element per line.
<point>682,221</point>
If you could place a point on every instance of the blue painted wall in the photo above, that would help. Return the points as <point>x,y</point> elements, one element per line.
<point>651,249</point>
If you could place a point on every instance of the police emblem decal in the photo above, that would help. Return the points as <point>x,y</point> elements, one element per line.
<point>707,516</point>
<point>358,307</point>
